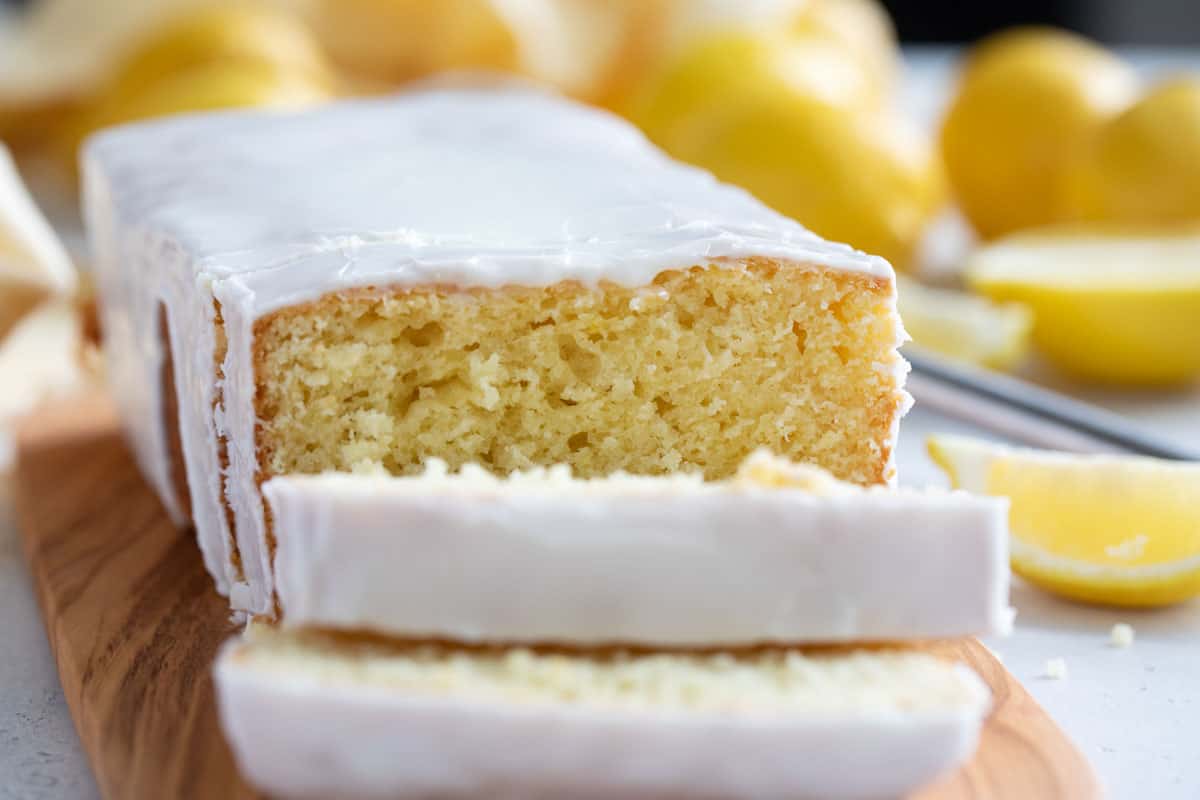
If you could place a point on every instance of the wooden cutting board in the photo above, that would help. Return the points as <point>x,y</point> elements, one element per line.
<point>134,623</point>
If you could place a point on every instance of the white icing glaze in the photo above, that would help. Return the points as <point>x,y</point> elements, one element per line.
<point>304,732</point>
<point>262,210</point>
<point>647,560</point>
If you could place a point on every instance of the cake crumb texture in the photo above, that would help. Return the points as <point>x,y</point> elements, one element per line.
<point>1121,635</point>
<point>1056,669</point>
<point>773,681</point>
<point>691,373</point>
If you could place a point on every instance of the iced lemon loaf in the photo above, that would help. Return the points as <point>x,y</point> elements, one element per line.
<point>500,277</point>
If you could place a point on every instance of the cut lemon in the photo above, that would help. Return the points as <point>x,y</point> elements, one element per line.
<point>965,327</point>
<point>1119,307</point>
<point>1105,529</point>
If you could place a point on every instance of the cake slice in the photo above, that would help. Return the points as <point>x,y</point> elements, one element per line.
<point>319,715</point>
<point>498,277</point>
<point>780,554</point>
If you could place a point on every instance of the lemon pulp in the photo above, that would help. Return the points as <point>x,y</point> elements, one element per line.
<point>1104,529</point>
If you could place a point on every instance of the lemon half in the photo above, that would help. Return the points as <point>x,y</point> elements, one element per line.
<point>1105,529</point>
<point>1118,307</point>
<point>964,326</point>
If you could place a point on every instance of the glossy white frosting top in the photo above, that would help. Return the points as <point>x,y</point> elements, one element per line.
<point>460,186</point>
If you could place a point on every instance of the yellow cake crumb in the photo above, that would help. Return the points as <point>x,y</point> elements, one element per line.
<point>1056,669</point>
<point>771,681</point>
<point>692,374</point>
<point>1121,635</point>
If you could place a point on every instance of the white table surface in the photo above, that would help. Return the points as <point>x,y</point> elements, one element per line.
<point>1135,713</point>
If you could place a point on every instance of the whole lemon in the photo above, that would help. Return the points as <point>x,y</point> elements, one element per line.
<point>753,110</point>
<point>205,87</point>
<point>1027,101</point>
<point>1144,165</point>
<point>222,33</point>
<point>597,51</point>
<point>391,41</point>
<point>718,72</point>
<point>220,57</point>
<point>864,29</point>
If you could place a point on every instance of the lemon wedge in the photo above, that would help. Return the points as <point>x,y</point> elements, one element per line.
<point>1116,530</point>
<point>964,326</point>
<point>1116,307</point>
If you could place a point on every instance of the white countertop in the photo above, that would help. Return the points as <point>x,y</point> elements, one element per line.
<point>1135,712</point>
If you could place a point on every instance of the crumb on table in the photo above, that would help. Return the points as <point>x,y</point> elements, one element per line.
<point>1056,669</point>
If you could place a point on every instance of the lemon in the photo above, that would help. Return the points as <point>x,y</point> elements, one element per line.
<point>1144,165</point>
<point>221,57</point>
<point>1113,306</point>
<point>965,327</point>
<point>767,113</point>
<point>863,29</point>
<point>595,50</point>
<point>397,40</point>
<point>717,71</point>
<point>1104,529</point>
<point>207,87</point>
<point>222,33</point>
<point>1027,101</point>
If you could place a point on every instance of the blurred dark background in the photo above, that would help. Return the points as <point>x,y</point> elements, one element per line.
<point>1174,22</point>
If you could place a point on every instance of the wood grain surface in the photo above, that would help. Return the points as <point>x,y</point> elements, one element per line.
<point>134,623</point>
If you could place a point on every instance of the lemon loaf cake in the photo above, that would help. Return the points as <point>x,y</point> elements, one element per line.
<point>313,714</point>
<point>496,276</point>
<point>781,554</point>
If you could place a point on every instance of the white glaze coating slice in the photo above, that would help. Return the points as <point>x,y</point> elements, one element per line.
<point>652,561</point>
<point>262,210</point>
<point>310,722</point>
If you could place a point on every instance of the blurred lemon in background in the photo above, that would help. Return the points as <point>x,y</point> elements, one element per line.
<point>1144,165</point>
<point>1115,306</point>
<point>792,121</point>
<point>390,41</point>
<point>593,50</point>
<point>863,29</point>
<point>222,57</point>
<point>1104,529</point>
<point>716,72</point>
<point>1027,101</point>
<point>249,33</point>
<point>219,84</point>
<point>963,326</point>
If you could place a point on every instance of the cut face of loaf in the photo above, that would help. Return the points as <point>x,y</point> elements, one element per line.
<point>495,277</point>
<point>320,715</point>
<point>689,373</point>
<point>780,554</point>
